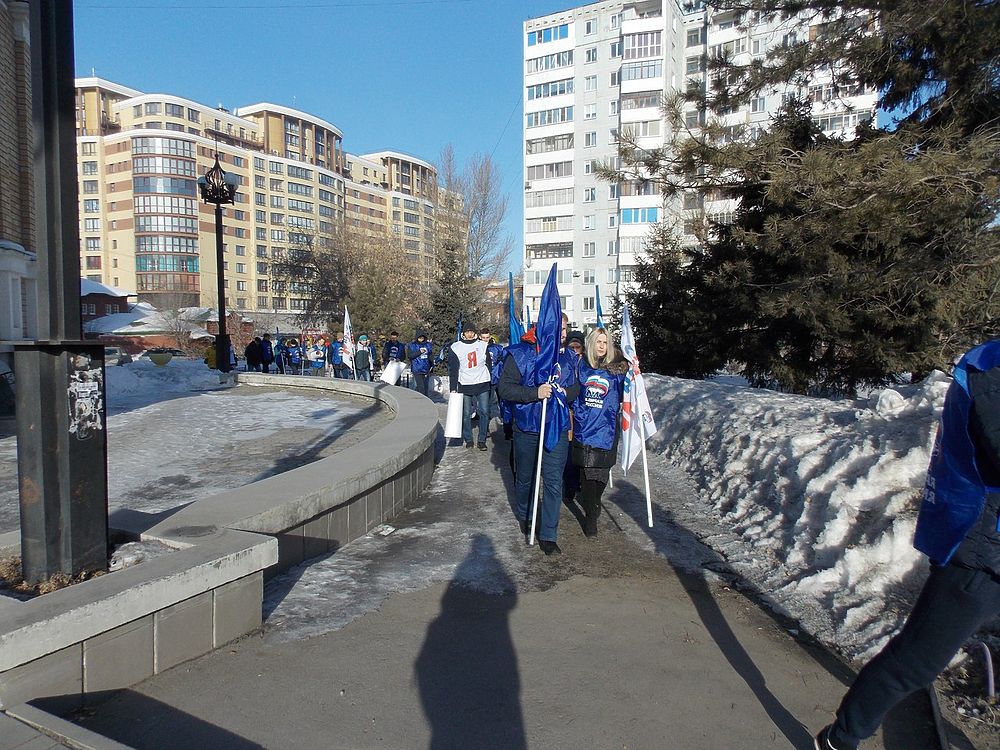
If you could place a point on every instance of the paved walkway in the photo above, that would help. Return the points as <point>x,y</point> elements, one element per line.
<point>457,635</point>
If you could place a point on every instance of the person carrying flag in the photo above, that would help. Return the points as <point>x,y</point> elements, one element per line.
<point>534,370</point>
<point>595,421</point>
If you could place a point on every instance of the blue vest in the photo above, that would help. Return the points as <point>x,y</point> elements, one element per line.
<point>420,356</point>
<point>528,417</point>
<point>955,493</point>
<point>596,409</point>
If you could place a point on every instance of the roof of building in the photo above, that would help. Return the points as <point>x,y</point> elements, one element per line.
<point>95,287</point>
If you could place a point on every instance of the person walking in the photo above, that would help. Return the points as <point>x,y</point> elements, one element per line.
<point>364,358</point>
<point>295,355</point>
<point>420,352</point>
<point>252,355</point>
<point>517,386</point>
<point>266,353</point>
<point>595,421</point>
<point>496,353</point>
<point>469,371</point>
<point>958,528</point>
<point>393,350</point>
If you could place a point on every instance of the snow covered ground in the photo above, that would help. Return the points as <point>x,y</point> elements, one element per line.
<point>175,435</point>
<point>813,501</point>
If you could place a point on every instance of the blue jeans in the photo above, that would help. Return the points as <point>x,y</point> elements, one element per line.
<point>954,603</point>
<point>553,463</point>
<point>365,375</point>
<point>480,403</point>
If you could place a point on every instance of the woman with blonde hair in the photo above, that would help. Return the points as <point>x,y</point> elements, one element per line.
<point>595,420</point>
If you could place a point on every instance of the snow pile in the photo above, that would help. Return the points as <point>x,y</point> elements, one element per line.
<point>141,382</point>
<point>816,500</point>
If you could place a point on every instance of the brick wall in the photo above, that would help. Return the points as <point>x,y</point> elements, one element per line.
<point>16,183</point>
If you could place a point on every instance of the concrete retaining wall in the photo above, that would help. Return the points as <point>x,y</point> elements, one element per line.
<point>116,630</point>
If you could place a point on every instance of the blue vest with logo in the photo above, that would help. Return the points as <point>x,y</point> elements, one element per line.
<point>528,417</point>
<point>955,494</point>
<point>596,409</point>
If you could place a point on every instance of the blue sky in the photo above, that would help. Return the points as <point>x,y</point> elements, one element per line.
<point>410,75</point>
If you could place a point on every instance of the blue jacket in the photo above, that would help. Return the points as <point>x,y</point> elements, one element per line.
<point>393,350</point>
<point>420,356</point>
<point>955,494</point>
<point>596,409</point>
<point>266,351</point>
<point>336,352</point>
<point>517,383</point>
<point>295,354</point>
<point>496,353</point>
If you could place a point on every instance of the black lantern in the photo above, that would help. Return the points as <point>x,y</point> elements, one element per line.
<point>217,187</point>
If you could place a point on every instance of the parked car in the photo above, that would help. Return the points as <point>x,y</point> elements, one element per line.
<point>165,350</point>
<point>116,355</point>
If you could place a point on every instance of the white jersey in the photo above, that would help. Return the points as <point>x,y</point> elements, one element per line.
<point>472,368</point>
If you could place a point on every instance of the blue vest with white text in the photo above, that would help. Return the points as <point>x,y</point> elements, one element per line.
<point>596,409</point>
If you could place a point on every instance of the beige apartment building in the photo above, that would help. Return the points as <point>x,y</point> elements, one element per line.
<point>144,229</point>
<point>18,264</point>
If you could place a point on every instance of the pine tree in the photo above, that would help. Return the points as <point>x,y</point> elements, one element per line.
<point>847,261</point>
<point>455,295</point>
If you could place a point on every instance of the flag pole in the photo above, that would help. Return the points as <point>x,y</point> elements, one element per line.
<point>645,476</point>
<point>538,474</point>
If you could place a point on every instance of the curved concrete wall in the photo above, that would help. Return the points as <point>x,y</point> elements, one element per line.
<point>116,630</point>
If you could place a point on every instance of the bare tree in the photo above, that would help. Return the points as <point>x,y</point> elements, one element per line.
<point>488,247</point>
<point>382,292</point>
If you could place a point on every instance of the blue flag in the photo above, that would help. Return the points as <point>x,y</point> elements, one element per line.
<point>516,330</point>
<point>600,314</point>
<point>548,335</point>
<point>527,317</point>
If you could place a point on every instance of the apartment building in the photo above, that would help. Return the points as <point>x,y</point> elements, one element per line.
<point>18,264</point>
<point>597,70</point>
<point>142,224</point>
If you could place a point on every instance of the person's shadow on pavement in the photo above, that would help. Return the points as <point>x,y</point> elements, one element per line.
<point>466,671</point>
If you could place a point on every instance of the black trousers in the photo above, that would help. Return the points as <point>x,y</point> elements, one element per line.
<point>954,603</point>
<point>590,498</point>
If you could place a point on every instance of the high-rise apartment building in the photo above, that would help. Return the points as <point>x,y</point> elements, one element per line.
<point>598,70</point>
<point>144,229</point>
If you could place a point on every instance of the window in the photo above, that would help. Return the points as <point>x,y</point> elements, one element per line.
<point>645,44</point>
<point>552,88</point>
<point>93,262</point>
<point>546,171</point>
<point>550,116</point>
<point>590,83</point>
<point>589,194</point>
<point>88,149</point>
<point>90,186</point>
<point>589,221</point>
<point>91,225</point>
<point>261,267</point>
<point>639,215</point>
<point>550,34</point>
<point>550,62</point>
<point>588,304</point>
<point>589,111</point>
<point>590,139</point>
<point>241,286</point>
<point>89,167</point>
<point>174,110</point>
<point>194,115</point>
<point>590,27</point>
<point>241,268</point>
<point>153,108</point>
<point>638,71</point>
<point>93,244</point>
<point>589,249</point>
<point>612,192</point>
<point>241,250</point>
<point>588,276</point>
<point>545,145</point>
<point>91,206</point>
<point>695,37</point>
<point>614,79</point>
<point>590,55</point>
<point>758,104</point>
<point>756,46</point>
<point>616,50</point>
<point>612,221</point>
<point>612,247</point>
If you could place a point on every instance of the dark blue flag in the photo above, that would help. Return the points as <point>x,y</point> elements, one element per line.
<point>516,330</point>
<point>548,335</point>
<point>600,314</point>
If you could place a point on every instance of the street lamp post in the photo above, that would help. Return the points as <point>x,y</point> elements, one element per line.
<point>218,188</point>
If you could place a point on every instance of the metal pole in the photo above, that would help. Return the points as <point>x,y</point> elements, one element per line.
<point>222,340</point>
<point>61,417</point>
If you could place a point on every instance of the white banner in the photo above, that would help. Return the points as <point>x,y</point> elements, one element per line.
<point>348,351</point>
<point>637,417</point>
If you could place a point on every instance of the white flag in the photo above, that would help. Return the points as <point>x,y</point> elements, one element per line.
<point>637,417</point>
<point>347,353</point>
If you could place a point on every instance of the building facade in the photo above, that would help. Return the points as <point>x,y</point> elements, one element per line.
<point>601,69</point>
<point>18,264</point>
<point>143,226</point>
